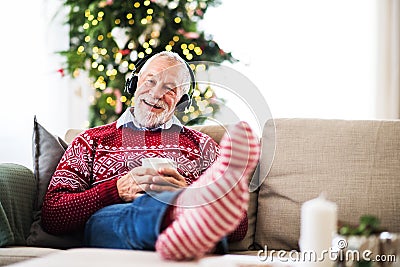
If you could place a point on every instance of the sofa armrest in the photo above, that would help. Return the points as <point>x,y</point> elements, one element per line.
<point>17,197</point>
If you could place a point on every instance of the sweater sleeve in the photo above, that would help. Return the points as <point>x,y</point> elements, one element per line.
<point>71,199</point>
<point>209,153</point>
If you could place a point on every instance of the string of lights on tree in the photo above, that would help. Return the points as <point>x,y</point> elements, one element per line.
<point>108,37</point>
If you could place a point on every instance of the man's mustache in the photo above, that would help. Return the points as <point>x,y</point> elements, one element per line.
<point>154,101</point>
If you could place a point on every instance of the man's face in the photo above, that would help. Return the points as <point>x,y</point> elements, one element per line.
<point>159,90</point>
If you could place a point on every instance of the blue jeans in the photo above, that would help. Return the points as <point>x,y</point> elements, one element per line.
<point>133,225</point>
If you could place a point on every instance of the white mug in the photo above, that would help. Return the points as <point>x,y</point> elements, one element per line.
<point>157,163</point>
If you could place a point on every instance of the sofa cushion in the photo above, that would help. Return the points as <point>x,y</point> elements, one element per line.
<point>47,151</point>
<point>71,134</point>
<point>10,255</point>
<point>248,241</point>
<point>216,132</point>
<point>357,164</point>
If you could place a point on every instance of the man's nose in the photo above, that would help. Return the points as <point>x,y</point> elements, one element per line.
<point>157,91</point>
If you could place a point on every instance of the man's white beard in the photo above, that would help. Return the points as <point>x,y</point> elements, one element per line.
<point>150,119</point>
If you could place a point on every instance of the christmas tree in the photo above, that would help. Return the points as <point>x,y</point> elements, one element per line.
<point>108,37</point>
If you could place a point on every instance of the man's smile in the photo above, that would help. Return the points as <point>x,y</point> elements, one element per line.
<point>155,106</point>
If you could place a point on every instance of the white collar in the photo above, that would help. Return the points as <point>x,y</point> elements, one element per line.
<point>127,117</point>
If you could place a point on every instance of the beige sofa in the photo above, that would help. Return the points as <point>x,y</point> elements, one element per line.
<point>356,163</point>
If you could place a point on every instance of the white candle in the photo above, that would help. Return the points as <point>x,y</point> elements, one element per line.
<point>318,226</point>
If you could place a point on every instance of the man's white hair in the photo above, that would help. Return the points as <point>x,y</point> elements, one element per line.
<point>174,58</point>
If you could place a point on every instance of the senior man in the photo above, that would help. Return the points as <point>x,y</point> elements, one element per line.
<point>100,186</point>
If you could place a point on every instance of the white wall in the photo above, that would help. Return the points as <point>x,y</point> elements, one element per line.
<point>30,83</point>
<point>309,58</point>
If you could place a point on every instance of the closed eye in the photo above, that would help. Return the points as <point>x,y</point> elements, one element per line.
<point>150,82</point>
<point>170,89</point>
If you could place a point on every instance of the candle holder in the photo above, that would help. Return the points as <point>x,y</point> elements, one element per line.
<point>390,249</point>
<point>359,250</point>
<point>368,245</point>
<point>377,250</point>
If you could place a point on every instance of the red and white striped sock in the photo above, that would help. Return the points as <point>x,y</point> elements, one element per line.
<point>212,206</point>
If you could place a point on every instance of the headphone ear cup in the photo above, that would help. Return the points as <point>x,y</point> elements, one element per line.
<point>131,84</point>
<point>184,103</point>
<point>133,87</point>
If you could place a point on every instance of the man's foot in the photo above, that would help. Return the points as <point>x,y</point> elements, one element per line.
<point>213,206</point>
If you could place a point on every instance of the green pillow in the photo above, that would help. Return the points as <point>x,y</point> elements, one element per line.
<point>6,233</point>
<point>17,196</point>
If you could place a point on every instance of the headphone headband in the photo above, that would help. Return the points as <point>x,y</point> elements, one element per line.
<point>184,102</point>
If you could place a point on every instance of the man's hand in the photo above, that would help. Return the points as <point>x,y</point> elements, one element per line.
<point>131,185</point>
<point>168,180</point>
<point>140,179</point>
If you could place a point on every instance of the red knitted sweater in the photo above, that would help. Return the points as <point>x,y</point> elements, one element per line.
<point>85,179</point>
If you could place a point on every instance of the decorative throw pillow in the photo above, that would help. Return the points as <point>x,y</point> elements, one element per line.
<point>6,233</point>
<point>17,193</point>
<point>47,151</point>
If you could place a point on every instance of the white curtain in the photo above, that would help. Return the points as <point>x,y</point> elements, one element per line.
<point>388,88</point>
